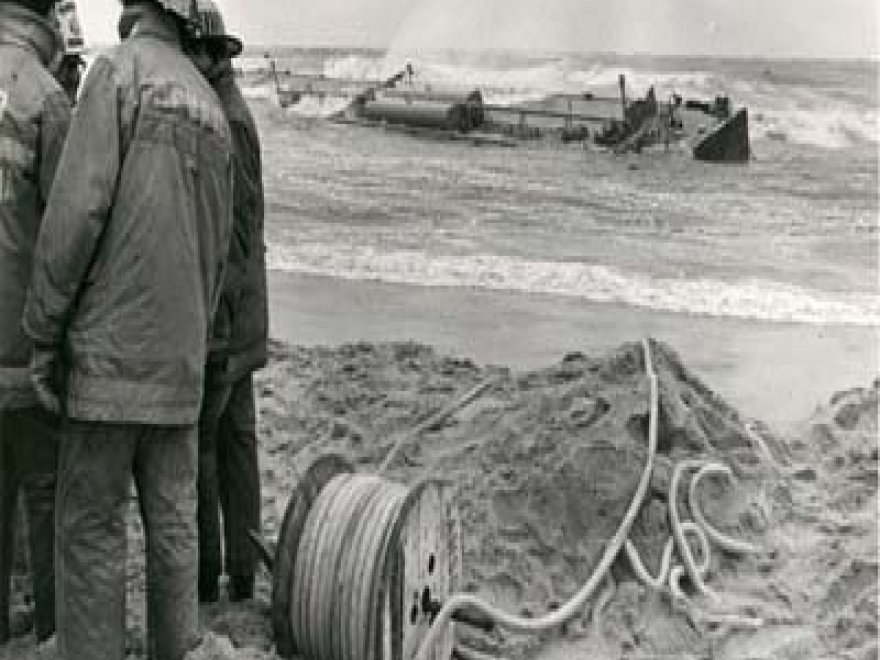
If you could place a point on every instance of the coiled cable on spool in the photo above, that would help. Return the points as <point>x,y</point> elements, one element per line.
<point>341,554</point>
<point>557,617</point>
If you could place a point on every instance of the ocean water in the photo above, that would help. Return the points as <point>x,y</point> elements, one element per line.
<point>790,237</point>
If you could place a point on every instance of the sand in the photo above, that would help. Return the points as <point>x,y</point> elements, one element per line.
<point>545,462</point>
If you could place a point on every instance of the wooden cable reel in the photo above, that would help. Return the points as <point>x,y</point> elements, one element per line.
<point>363,565</point>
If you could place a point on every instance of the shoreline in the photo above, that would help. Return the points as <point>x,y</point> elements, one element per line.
<point>776,372</point>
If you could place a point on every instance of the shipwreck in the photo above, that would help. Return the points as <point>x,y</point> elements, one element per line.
<point>713,130</point>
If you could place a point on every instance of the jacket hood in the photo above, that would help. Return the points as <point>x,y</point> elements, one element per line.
<point>21,27</point>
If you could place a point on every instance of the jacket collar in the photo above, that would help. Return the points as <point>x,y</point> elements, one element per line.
<point>21,27</point>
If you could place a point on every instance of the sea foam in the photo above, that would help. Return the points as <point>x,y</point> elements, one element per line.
<point>747,299</point>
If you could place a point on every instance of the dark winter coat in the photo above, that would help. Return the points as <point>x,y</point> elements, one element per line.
<point>34,117</point>
<point>135,236</point>
<point>243,312</point>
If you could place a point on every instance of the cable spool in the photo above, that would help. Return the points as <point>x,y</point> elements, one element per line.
<point>363,565</point>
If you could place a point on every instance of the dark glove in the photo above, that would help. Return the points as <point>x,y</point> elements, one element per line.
<point>44,378</point>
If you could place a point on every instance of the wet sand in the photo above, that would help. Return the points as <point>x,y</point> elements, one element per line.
<point>776,372</point>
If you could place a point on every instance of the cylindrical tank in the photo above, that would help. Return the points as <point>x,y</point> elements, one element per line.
<point>419,114</point>
<point>472,101</point>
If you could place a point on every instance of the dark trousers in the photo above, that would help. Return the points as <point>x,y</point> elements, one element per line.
<point>28,457</point>
<point>96,466</point>
<point>229,478</point>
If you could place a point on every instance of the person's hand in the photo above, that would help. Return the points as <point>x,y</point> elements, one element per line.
<point>44,378</point>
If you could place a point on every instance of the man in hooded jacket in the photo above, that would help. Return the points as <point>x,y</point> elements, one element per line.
<point>34,117</point>
<point>127,276</point>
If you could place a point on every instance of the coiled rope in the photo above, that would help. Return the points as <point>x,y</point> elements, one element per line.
<point>695,571</point>
<point>569,609</point>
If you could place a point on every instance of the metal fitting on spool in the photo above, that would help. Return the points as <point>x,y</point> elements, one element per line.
<point>362,564</point>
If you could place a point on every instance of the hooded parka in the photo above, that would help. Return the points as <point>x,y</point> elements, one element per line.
<point>34,117</point>
<point>131,258</point>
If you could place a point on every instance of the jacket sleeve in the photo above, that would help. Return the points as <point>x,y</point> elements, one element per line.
<point>56,122</point>
<point>256,177</point>
<point>78,206</point>
<point>247,191</point>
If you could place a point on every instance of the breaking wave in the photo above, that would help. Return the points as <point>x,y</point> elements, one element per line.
<point>359,67</point>
<point>836,128</point>
<point>313,106</point>
<point>749,299</point>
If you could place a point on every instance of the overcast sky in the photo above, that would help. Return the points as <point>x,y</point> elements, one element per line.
<point>772,28</point>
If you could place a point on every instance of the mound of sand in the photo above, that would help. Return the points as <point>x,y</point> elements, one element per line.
<point>546,462</point>
<point>827,531</point>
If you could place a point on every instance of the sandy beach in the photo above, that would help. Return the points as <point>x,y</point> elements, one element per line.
<point>522,457</point>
